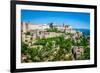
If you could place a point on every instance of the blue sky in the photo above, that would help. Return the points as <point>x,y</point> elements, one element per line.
<point>75,19</point>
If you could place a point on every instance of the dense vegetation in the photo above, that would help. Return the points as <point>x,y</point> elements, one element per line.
<point>54,49</point>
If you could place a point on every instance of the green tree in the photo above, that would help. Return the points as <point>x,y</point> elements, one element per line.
<point>24,47</point>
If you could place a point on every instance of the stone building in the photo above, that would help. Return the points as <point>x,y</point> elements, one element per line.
<point>77,51</point>
<point>29,26</point>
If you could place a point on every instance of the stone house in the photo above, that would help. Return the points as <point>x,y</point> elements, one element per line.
<point>77,51</point>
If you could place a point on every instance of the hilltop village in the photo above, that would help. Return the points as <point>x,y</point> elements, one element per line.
<point>51,42</point>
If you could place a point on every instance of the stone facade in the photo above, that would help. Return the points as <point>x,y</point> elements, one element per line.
<point>77,51</point>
